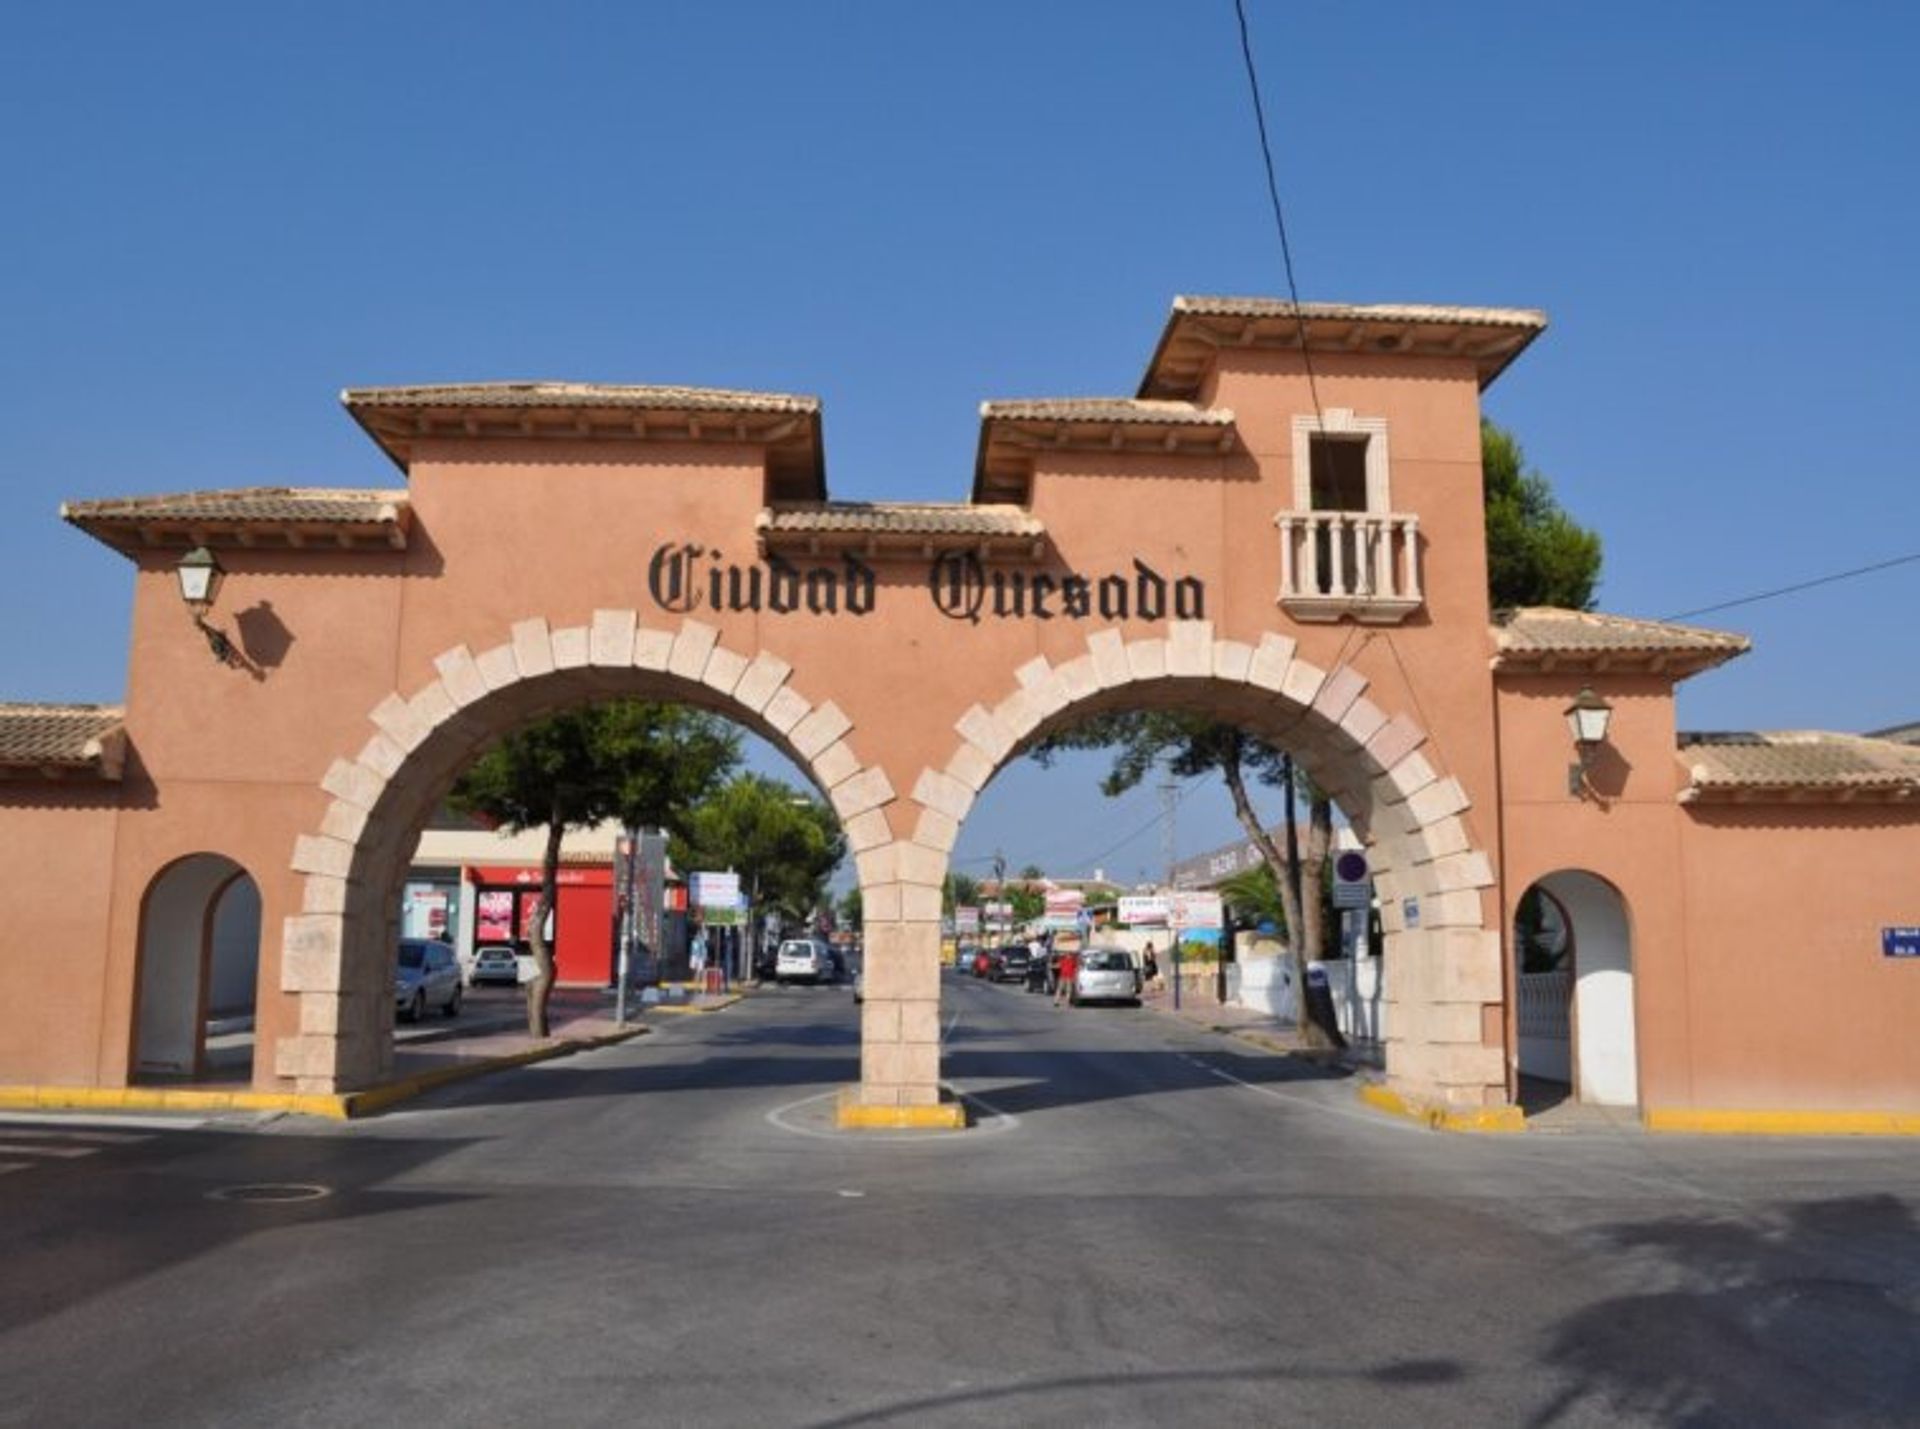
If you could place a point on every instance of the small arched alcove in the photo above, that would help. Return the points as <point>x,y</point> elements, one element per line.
<point>1573,945</point>
<point>199,966</point>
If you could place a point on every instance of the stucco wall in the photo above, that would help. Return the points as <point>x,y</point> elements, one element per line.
<point>56,845</point>
<point>1793,1006</point>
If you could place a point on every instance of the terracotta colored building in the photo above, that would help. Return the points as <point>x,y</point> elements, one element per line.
<point>1307,560</point>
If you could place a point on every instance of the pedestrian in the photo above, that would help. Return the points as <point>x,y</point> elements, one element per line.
<point>697,957</point>
<point>1069,969</point>
<point>1151,964</point>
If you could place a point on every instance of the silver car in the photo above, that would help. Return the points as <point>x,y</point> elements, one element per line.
<point>427,974</point>
<point>1106,975</point>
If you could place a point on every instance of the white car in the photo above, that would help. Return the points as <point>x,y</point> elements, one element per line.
<point>803,960</point>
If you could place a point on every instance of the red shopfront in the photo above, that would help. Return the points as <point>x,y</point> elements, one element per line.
<point>504,903</point>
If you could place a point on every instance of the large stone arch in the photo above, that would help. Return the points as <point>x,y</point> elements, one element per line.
<point>335,953</point>
<point>1443,951</point>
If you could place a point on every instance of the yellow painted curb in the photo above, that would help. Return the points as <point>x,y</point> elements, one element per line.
<point>42,1098</point>
<point>1444,1118</point>
<point>854,1115</point>
<point>1782,1123</point>
<point>334,1106</point>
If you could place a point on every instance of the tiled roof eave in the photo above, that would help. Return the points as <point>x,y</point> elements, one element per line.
<point>1740,791</point>
<point>248,517</point>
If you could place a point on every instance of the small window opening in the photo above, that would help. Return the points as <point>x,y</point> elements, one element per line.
<point>1338,473</point>
<point>1337,482</point>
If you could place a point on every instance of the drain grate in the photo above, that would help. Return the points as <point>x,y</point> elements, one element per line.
<point>270,1193</point>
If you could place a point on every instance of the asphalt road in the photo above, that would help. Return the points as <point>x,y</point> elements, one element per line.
<point>1149,1225</point>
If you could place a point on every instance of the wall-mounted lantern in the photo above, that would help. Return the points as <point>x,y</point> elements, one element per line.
<point>200,575</point>
<point>1587,720</point>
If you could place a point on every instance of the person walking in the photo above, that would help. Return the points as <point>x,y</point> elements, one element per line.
<point>1069,969</point>
<point>1150,966</point>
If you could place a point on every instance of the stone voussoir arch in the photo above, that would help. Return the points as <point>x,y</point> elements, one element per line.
<point>1443,955</point>
<point>332,951</point>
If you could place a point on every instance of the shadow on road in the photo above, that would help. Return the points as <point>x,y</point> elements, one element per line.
<point>1810,1317</point>
<point>75,1234</point>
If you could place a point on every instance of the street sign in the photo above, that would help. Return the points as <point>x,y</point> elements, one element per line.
<point>1900,942</point>
<point>1352,887</point>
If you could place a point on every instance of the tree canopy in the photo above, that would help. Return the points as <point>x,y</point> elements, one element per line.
<point>783,843</point>
<point>1536,553</point>
<point>640,762</point>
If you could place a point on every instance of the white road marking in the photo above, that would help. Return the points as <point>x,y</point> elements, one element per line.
<point>1364,1118</point>
<point>6,1166</point>
<point>36,1133</point>
<point>65,1153</point>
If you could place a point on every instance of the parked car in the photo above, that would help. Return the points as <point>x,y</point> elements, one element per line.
<point>496,963</point>
<point>1014,960</point>
<point>426,975</point>
<point>803,960</point>
<point>1106,975</point>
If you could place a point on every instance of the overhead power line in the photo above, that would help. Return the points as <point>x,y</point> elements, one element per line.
<point>1797,586</point>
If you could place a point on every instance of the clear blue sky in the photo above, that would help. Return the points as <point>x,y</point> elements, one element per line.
<point>217,216</point>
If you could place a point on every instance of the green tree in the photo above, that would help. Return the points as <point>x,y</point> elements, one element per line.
<point>852,906</point>
<point>784,845</point>
<point>1254,896</point>
<point>1536,553</point>
<point>640,762</point>
<point>961,890</point>
<point>1028,902</point>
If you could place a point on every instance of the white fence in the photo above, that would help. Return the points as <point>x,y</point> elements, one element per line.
<point>1266,985</point>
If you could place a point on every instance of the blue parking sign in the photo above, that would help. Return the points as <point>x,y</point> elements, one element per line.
<point>1900,942</point>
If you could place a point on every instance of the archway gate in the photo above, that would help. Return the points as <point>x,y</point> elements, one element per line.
<point>556,543</point>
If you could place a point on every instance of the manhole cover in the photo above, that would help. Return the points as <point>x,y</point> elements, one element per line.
<point>270,1193</point>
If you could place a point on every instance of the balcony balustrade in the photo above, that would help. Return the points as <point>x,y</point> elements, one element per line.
<point>1363,564</point>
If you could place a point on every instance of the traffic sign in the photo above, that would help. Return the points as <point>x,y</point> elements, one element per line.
<point>1352,886</point>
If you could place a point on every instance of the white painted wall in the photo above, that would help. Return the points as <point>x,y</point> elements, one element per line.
<point>1604,1043</point>
<point>233,971</point>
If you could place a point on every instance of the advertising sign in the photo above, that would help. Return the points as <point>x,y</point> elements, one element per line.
<point>493,916</point>
<point>1144,908</point>
<point>1197,910</point>
<point>965,919</point>
<point>1065,903</point>
<point>716,890</point>
<point>999,912</point>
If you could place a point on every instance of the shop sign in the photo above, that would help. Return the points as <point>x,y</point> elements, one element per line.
<point>1196,910</point>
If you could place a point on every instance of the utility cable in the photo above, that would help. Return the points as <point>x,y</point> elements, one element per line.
<point>1798,586</point>
<point>1279,214</point>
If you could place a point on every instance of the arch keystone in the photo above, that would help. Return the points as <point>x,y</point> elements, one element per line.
<point>612,639</point>
<point>571,646</point>
<point>1190,647</point>
<point>1147,659</point>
